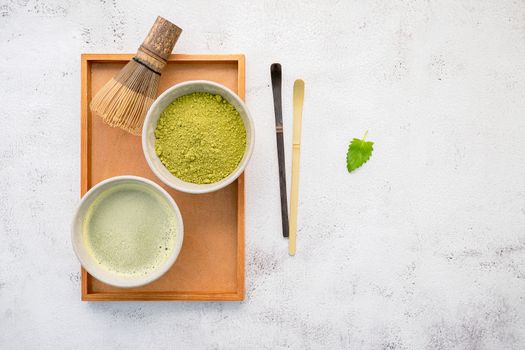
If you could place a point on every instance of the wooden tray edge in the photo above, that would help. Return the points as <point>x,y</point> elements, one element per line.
<point>114,57</point>
<point>85,61</point>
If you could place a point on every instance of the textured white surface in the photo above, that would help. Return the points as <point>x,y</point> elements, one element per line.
<point>422,248</point>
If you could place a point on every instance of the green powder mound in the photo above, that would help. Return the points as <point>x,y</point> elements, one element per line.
<point>200,138</point>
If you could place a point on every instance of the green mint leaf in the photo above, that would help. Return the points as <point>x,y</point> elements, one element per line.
<point>359,153</point>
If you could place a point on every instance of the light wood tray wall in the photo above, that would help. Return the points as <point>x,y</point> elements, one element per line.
<point>211,263</point>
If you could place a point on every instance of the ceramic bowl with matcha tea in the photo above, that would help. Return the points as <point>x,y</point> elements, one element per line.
<point>198,137</point>
<point>127,231</point>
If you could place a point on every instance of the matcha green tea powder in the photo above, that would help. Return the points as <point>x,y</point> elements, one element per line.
<point>200,138</point>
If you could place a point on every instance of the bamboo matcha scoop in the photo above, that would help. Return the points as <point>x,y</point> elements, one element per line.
<point>298,99</point>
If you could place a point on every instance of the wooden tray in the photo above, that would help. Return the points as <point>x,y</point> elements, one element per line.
<point>211,263</point>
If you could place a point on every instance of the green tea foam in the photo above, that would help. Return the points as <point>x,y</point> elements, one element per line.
<point>130,229</point>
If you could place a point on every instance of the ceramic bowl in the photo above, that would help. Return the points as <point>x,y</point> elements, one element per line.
<point>150,124</point>
<point>89,262</point>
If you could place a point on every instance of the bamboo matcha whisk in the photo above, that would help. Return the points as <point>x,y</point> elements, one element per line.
<point>124,101</point>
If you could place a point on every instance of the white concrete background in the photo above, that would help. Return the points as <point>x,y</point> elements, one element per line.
<point>422,248</point>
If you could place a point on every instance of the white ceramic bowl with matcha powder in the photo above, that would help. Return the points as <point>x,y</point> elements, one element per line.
<point>212,91</point>
<point>127,231</point>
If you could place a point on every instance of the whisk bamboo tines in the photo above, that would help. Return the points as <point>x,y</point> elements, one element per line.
<point>124,101</point>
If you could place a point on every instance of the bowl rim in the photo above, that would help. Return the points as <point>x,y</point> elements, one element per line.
<point>208,187</point>
<point>150,277</point>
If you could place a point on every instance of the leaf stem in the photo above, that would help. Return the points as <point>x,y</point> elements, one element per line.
<point>366,133</point>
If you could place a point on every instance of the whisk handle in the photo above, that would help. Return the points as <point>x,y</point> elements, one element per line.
<point>161,39</point>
